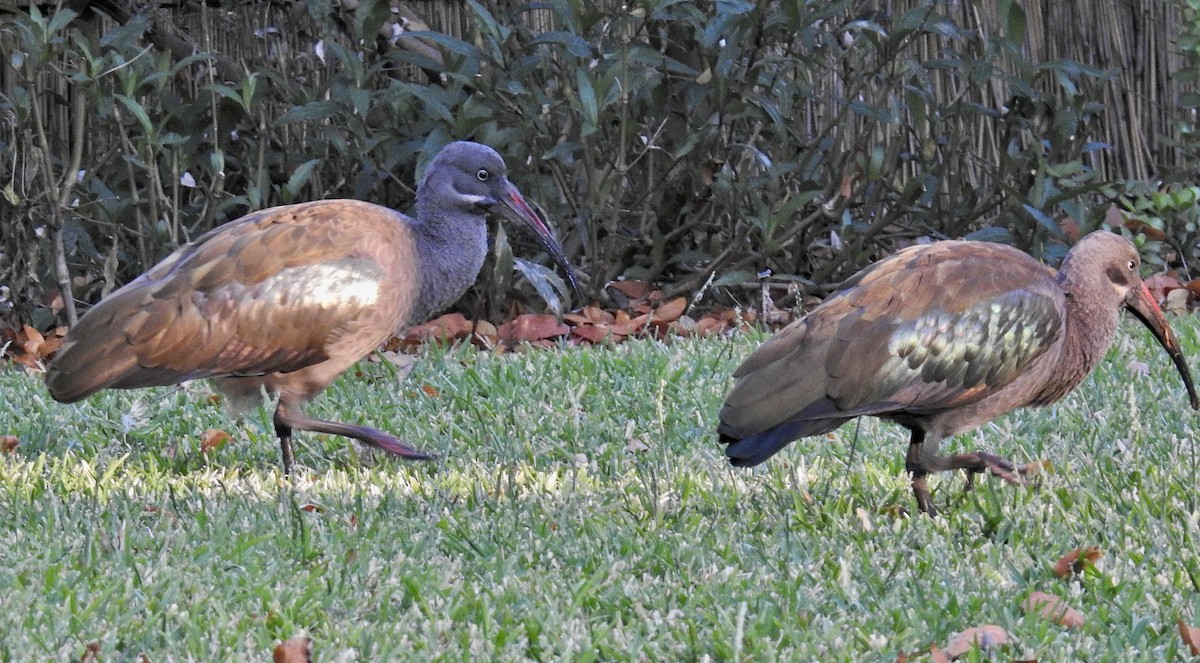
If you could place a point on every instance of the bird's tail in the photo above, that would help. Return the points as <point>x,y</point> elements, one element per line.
<point>754,449</point>
<point>81,369</point>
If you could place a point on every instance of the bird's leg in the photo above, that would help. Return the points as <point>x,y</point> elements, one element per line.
<point>974,463</point>
<point>921,461</point>
<point>284,431</point>
<point>288,416</point>
<point>913,462</point>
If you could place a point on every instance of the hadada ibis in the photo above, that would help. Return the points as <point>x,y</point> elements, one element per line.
<point>288,298</point>
<point>940,339</point>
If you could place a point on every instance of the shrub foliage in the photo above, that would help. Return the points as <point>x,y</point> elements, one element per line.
<point>696,145</point>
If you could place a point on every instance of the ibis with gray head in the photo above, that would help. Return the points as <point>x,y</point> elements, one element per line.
<point>290,297</point>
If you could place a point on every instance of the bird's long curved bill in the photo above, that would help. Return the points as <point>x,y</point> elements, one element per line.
<point>517,209</point>
<point>1142,304</point>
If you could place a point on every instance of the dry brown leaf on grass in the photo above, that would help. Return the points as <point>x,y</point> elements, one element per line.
<point>1178,301</point>
<point>28,346</point>
<point>937,656</point>
<point>448,327</point>
<point>296,650</point>
<point>9,443</point>
<point>455,324</point>
<point>631,289</point>
<point>1070,228</point>
<point>636,445</point>
<point>684,326</point>
<point>91,653</point>
<point>530,327</point>
<point>213,439</point>
<point>595,314</point>
<point>631,326</point>
<point>1053,608</point>
<point>671,311</point>
<point>1076,561</point>
<point>1193,286</point>
<point>1162,283</point>
<point>486,335</point>
<point>1137,226</point>
<point>54,341</point>
<point>590,315</point>
<point>1191,636</point>
<point>33,340</point>
<point>986,636</point>
<point>710,325</point>
<point>1035,468</point>
<point>595,333</point>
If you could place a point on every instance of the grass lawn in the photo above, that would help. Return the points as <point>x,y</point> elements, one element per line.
<point>582,511</point>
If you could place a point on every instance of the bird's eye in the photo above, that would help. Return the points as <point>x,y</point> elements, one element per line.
<point>1132,265</point>
<point>483,175</point>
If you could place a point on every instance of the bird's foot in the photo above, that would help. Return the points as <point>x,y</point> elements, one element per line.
<point>393,445</point>
<point>986,462</point>
<point>289,417</point>
<point>921,492</point>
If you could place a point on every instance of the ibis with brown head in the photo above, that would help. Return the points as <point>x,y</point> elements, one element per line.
<point>942,338</point>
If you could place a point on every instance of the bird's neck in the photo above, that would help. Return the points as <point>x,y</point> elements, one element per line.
<point>452,248</point>
<point>1090,330</point>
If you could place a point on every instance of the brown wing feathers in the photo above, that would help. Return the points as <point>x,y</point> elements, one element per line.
<point>253,297</point>
<point>910,332</point>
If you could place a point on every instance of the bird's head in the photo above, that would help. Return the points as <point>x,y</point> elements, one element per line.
<point>1115,261</point>
<point>474,176</point>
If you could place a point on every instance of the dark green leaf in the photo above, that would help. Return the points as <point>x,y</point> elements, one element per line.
<point>313,110</point>
<point>451,44</point>
<point>224,91</point>
<point>369,16</point>
<point>550,287</point>
<point>587,96</point>
<point>488,24</point>
<point>735,278</point>
<point>60,20</point>
<point>300,176</point>
<point>689,256</point>
<point>500,285</point>
<point>1190,100</point>
<point>216,159</point>
<point>126,36</point>
<point>575,44</point>
<point>138,112</point>
<point>1045,221</point>
<point>1012,22</point>
<point>991,234</point>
